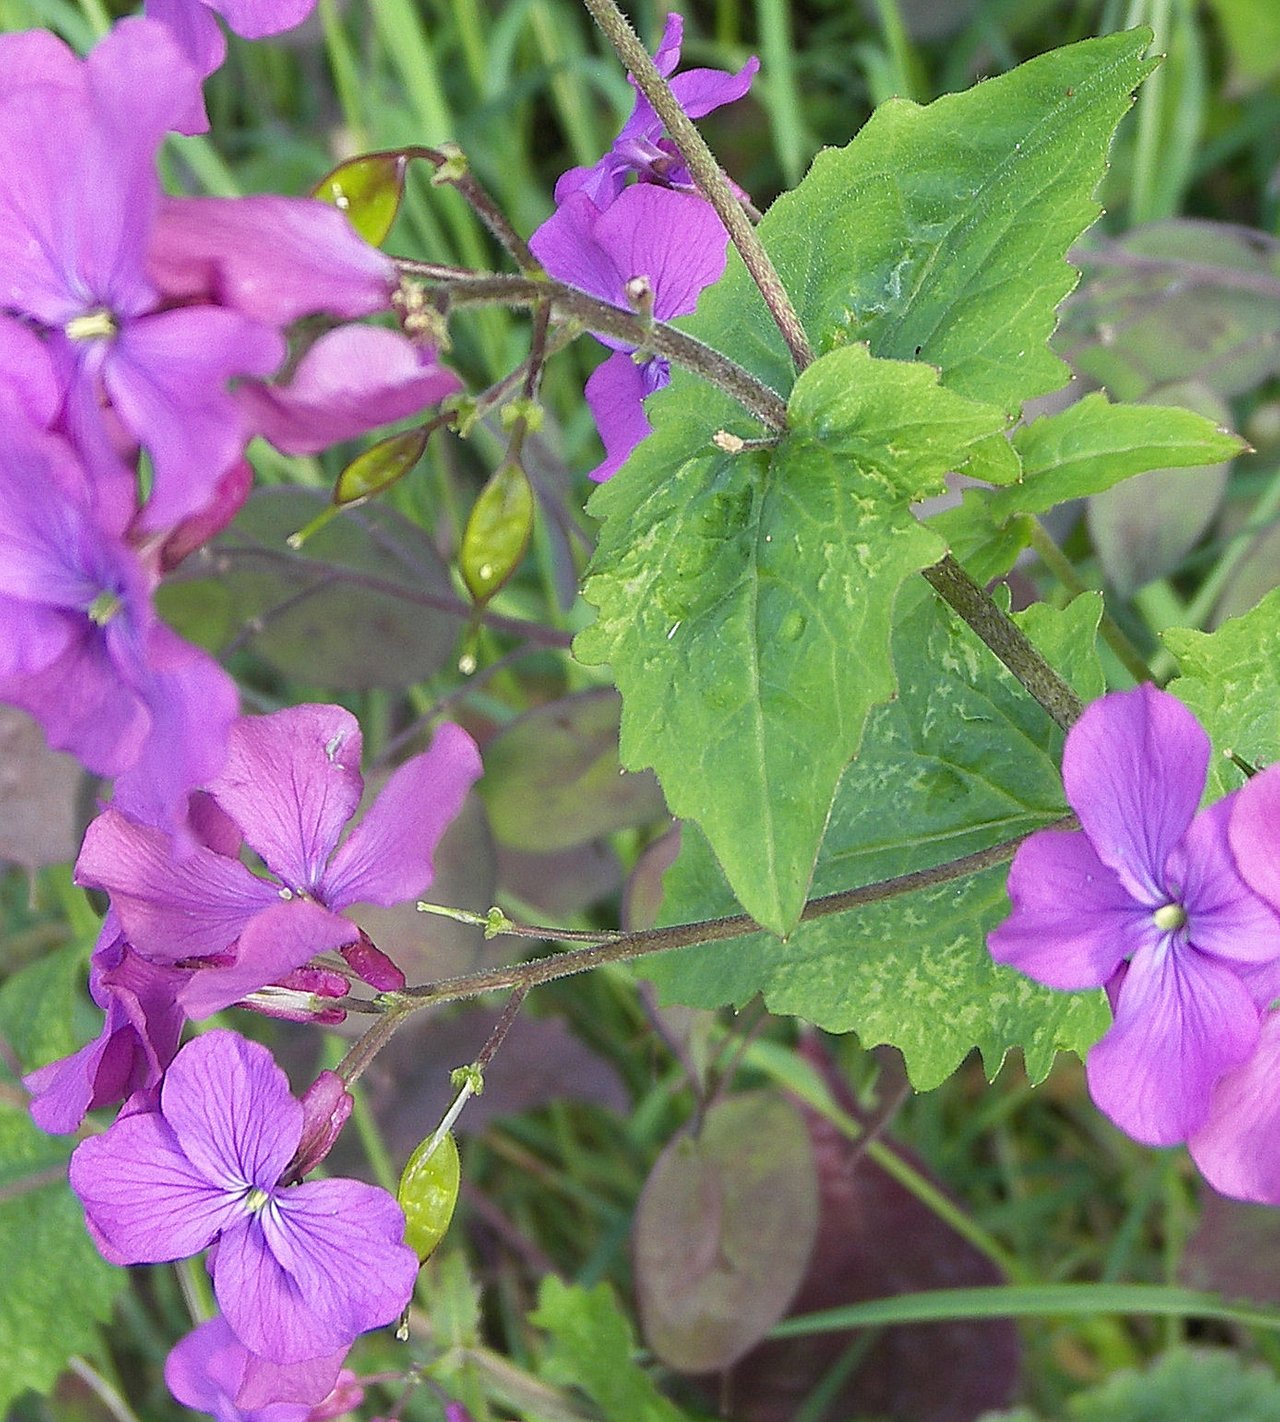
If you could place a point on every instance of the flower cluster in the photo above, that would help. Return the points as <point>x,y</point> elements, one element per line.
<point>1176,912</point>
<point>137,332</point>
<point>632,231</point>
<point>209,1148</point>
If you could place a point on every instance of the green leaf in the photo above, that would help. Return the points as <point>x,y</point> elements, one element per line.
<point>1231,680</point>
<point>1093,444</point>
<point>1145,526</point>
<point>45,1011</point>
<point>941,233</point>
<point>364,604</point>
<point>591,1347</point>
<point>1184,1386</point>
<point>745,603</point>
<point>57,1287</point>
<point>759,585</point>
<point>961,761</point>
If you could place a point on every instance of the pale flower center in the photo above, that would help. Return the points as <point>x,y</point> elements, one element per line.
<point>1170,917</point>
<point>104,607</point>
<point>256,1200</point>
<point>92,326</point>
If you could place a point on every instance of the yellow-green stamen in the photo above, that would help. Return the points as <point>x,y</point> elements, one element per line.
<point>92,326</point>
<point>255,1200</point>
<point>1170,918</point>
<point>104,607</point>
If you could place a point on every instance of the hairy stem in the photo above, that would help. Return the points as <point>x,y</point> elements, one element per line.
<point>1006,639</point>
<point>706,173</point>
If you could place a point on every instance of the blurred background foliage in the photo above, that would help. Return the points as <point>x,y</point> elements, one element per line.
<point>616,1141</point>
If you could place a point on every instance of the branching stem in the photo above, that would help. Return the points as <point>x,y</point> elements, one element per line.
<point>624,947</point>
<point>494,288</point>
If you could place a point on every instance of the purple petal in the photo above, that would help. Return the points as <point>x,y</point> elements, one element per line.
<point>700,91</point>
<point>387,858</point>
<point>36,57</point>
<point>1238,1147</point>
<point>54,551</point>
<point>209,1371</point>
<point>167,376</point>
<point>273,258</point>
<point>138,1041</point>
<point>674,239</point>
<point>667,54</point>
<point>353,379</point>
<point>170,908</point>
<point>602,182</point>
<point>326,1107</point>
<point>291,782</point>
<point>80,187</point>
<point>1134,769</point>
<point>274,943</point>
<point>192,704</point>
<point>304,1278</point>
<point>1183,1021</point>
<point>267,1385</point>
<point>1254,833</point>
<point>1072,922</point>
<point>321,1264</point>
<point>1224,917</point>
<point>143,86</point>
<point>76,205</point>
<point>228,498</point>
<point>616,392</point>
<point>28,382</point>
<point>83,704</point>
<point>565,244</point>
<point>199,36</point>
<point>144,1197</point>
<point>371,965</point>
<point>253,19</point>
<point>231,1111</point>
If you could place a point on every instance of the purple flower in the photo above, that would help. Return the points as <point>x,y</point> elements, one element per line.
<point>78,141</point>
<point>1146,900</point>
<point>83,650</point>
<point>128,1058</point>
<point>290,784</point>
<point>353,379</point>
<point>642,148</point>
<point>298,1271</point>
<point>212,1371</point>
<point>673,246</point>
